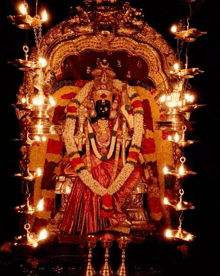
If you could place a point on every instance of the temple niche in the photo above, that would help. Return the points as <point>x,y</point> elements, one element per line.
<point>103,154</point>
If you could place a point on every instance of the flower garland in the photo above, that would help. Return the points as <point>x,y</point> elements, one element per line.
<point>134,149</point>
<point>112,146</point>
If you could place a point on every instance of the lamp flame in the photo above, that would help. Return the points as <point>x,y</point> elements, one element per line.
<point>39,172</point>
<point>40,206</point>
<point>38,100</point>
<point>168,233</point>
<point>173,28</point>
<point>165,170</point>
<point>176,66</point>
<point>23,9</point>
<point>42,61</point>
<point>43,235</point>
<point>52,102</point>
<point>176,137</point>
<point>163,98</point>
<point>181,170</point>
<point>165,201</point>
<point>44,16</point>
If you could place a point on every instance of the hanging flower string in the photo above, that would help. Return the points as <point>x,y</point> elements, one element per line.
<point>134,150</point>
<point>112,146</point>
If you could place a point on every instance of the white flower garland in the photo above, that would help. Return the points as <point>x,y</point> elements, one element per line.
<point>112,146</point>
<point>84,175</point>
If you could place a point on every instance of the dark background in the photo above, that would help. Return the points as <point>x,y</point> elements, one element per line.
<point>202,157</point>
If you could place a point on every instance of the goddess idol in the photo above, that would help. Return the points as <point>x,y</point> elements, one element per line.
<point>103,134</point>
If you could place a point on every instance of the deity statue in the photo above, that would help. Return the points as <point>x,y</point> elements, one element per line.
<point>103,133</point>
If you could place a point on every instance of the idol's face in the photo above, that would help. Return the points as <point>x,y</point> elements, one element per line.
<point>102,108</point>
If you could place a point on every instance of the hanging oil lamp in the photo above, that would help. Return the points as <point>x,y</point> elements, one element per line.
<point>187,34</point>
<point>181,171</point>
<point>179,234</point>
<point>179,205</point>
<point>28,209</point>
<point>179,139</point>
<point>26,22</point>
<point>30,238</point>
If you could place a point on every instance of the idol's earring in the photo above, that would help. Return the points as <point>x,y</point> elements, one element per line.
<point>113,112</point>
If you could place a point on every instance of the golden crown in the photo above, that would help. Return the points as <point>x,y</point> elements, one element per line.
<point>103,76</point>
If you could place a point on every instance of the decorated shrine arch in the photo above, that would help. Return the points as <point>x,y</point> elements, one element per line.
<point>148,64</point>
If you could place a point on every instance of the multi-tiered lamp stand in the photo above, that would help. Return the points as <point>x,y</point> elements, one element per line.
<point>176,106</point>
<point>32,111</point>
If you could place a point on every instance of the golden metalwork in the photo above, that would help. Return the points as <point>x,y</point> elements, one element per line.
<point>123,241</point>
<point>106,241</point>
<point>91,242</point>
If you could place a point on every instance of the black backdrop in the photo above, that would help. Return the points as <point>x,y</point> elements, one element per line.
<point>203,157</point>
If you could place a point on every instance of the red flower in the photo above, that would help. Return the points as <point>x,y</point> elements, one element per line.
<point>137,104</point>
<point>148,146</point>
<point>68,96</point>
<point>162,116</point>
<point>76,161</point>
<point>71,109</point>
<point>80,83</point>
<point>153,91</point>
<point>107,237</point>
